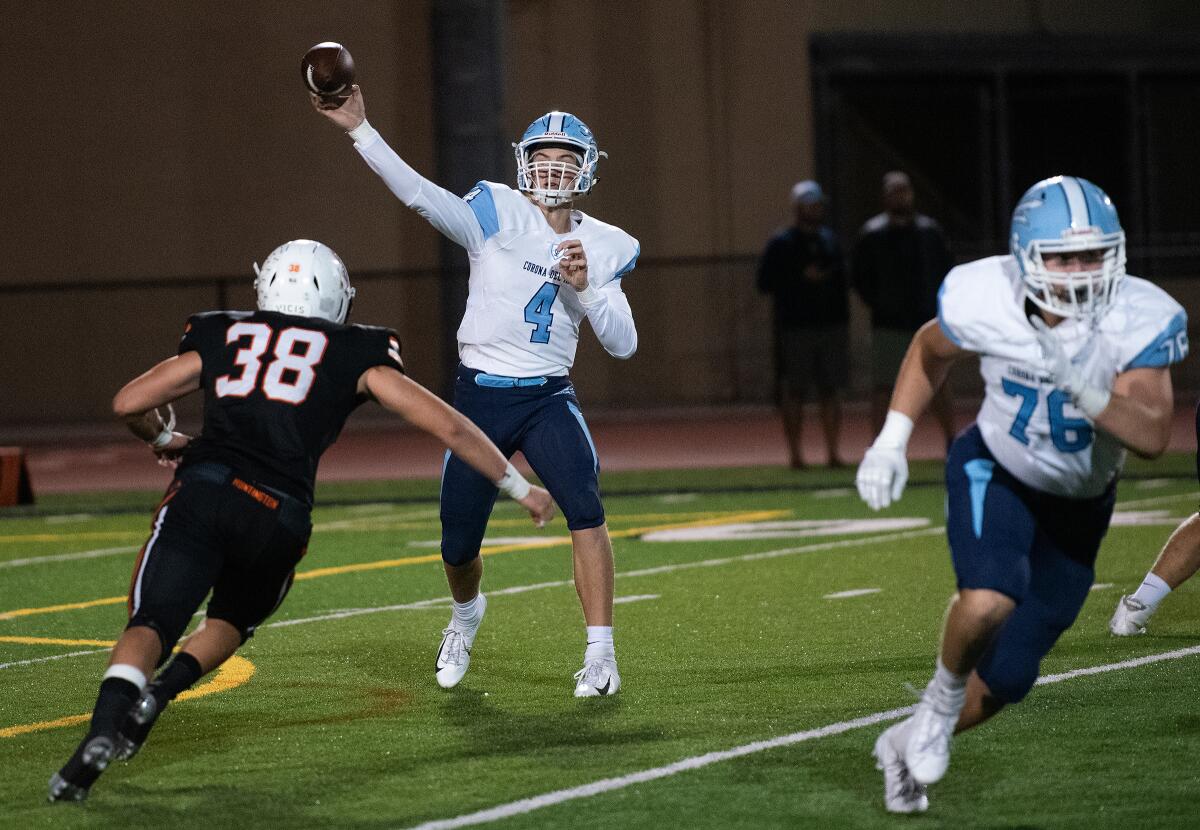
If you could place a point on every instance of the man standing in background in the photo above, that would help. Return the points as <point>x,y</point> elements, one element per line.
<point>802,270</point>
<point>899,261</point>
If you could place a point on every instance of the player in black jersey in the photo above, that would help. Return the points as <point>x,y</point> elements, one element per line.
<point>278,385</point>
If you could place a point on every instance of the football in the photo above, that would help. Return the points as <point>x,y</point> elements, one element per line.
<point>328,71</point>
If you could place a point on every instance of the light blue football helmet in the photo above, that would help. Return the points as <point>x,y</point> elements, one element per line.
<point>1060,215</point>
<point>555,183</point>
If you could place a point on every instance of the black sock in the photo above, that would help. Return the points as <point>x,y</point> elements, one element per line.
<point>178,676</point>
<point>116,697</point>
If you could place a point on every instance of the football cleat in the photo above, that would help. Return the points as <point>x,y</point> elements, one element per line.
<point>597,678</point>
<point>901,792</point>
<point>454,654</point>
<point>1130,618</point>
<point>72,782</point>
<point>138,723</point>
<point>927,754</point>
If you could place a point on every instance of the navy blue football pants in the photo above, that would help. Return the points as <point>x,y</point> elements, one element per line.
<point>541,418</point>
<point>1035,548</point>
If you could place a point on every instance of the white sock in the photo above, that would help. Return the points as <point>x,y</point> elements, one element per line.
<point>466,615</point>
<point>1152,591</point>
<point>126,672</point>
<point>946,691</point>
<point>599,643</point>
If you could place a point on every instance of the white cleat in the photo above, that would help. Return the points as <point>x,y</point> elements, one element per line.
<point>1130,618</point>
<point>927,754</point>
<point>901,792</point>
<point>454,654</point>
<point>597,678</point>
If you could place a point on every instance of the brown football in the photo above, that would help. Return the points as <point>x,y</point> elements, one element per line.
<point>328,71</point>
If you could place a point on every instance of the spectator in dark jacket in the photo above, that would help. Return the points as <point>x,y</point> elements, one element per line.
<point>899,261</point>
<point>802,269</point>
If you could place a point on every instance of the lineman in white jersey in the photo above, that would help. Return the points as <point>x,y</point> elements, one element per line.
<point>1074,355</point>
<point>538,268</point>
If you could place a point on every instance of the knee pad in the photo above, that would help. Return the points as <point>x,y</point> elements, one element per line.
<point>583,510</point>
<point>458,555</point>
<point>1010,679</point>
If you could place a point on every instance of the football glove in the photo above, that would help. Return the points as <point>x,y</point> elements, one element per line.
<point>884,470</point>
<point>1090,399</point>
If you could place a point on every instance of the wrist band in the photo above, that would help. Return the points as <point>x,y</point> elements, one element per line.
<point>897,429</point>
<point>162,439</point>
<point>512,483</point>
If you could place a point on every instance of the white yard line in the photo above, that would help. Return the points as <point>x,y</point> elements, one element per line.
<point>52,657</point>
<point>605,785</point>
<point>68,557</point>
<point>635,598</point>
<point>857,592</point>
<point>655,571</point>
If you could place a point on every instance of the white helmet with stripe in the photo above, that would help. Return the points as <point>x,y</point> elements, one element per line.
<point>304,278</point>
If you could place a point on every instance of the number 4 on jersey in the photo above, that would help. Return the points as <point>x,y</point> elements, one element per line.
<point>537,312</point>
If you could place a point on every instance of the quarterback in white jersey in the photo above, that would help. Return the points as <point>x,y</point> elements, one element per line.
<point>538,268</point>
<point>1075,357</point>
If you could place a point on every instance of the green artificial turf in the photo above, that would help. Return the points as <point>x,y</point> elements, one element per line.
<point>342,726</point>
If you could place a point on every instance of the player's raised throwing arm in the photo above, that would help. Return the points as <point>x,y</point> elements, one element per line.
<point>445,211</point>
<point>884,469</point>
<point>426,411</point>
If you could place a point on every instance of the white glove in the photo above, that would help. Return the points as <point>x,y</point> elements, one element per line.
<point>884,470</point>
<point>1090,399</point>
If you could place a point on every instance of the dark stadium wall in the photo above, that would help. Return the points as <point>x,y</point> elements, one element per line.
<point>168,141</point>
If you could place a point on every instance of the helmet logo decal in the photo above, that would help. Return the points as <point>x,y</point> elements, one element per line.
<point>294,268</point>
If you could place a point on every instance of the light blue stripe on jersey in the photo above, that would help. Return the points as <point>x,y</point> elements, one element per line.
<point>1171,346</point>
<point>484,207</point>
<point>586,434</point>
<point>942,324</point>
<point>628,266</point>
<point>979,473</point>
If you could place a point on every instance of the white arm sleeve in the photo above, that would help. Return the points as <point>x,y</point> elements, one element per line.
<point>441,208</point>
<point>611,317</point>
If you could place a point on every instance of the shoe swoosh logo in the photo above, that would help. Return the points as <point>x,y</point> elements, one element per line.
<point>604,689</point>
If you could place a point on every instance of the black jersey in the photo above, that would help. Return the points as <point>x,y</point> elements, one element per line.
<point>278,389</point>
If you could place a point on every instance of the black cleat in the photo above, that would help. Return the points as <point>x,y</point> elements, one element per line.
<point>138,723</point>
<point>72,782</point>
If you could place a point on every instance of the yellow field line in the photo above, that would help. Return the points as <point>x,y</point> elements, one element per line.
<point>552,541</point>
<point>364,523</point>
<point>65,537</point>
<point>549,542</point>
<point>55,641</point>
<point>66,606</point>
<point>235,672</point>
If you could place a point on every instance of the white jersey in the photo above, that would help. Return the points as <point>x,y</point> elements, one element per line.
<point>521,319</point>
<point>1032,428</point>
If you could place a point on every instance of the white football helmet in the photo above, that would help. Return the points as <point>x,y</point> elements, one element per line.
<point>571,181</point>
<point>304,278</point>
